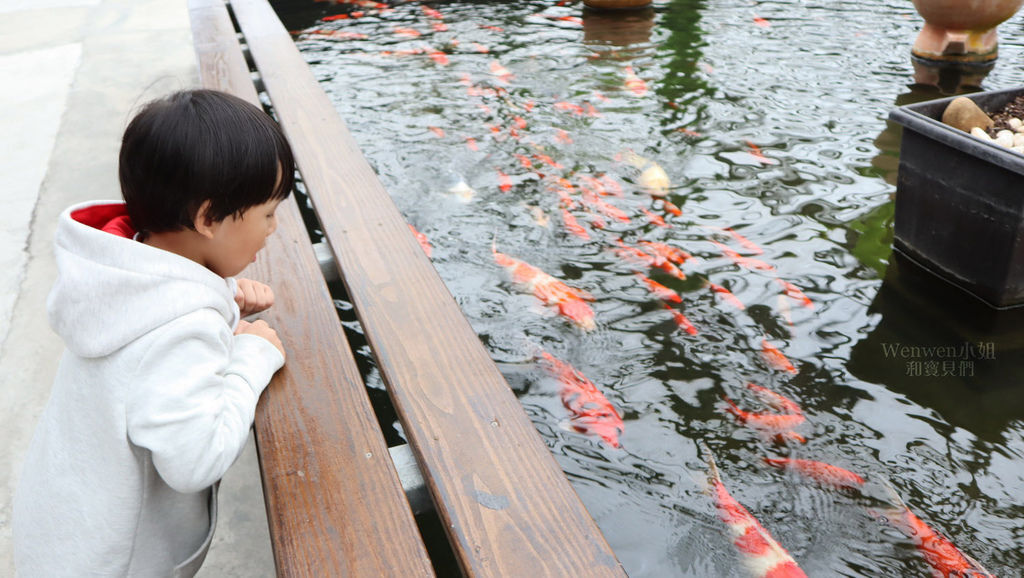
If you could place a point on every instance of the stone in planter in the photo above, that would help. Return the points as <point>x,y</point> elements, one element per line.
<point>960,202</point>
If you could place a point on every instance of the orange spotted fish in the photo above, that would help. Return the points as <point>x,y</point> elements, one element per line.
<point>634,82</point>
<point>660,291</point>
<point>775,358</point>
<point>777,425</point>
<point>681,320</point>
<point>571,302</point>
<point>759,552</point>
<point>422,240</point>
<point>746,262</point>
<point>794,292</point>
<point>592,413</point>
<point>821,472</point>
<point>944,558</point>
<point>778,401</point>
<point>727,295</point>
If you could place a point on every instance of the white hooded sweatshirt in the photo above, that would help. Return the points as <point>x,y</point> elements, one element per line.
<point>153,401</point>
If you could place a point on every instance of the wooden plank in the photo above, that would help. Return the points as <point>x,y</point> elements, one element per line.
<point>505,502</point>
<point>334,500</point>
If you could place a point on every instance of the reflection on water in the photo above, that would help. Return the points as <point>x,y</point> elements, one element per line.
<point>768,122</point>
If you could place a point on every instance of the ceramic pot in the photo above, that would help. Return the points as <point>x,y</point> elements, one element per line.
<point>961,30</point>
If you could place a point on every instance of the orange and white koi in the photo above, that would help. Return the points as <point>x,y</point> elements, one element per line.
<point>760,553</point>
<point>637,255</point>
<point>794,292</point>
<point>634,82</point>
<point>592,413</point>
<point>500,71</point>
<point>774,358</point>
<point>660,291</point>
<point>504,181</point>
<point>746,262</point>
<point>525,161</point>
<point>655,219</point>
<point>778,401</point>
<point>432,12</point>
<point>778,425</point>
<point>605,208</point>
<point>422,240</point>
<point>745,242</point>
<point>761,22</point>
<point>471,143</point>
<point>611,186</point>
<point>671,208</point>
<point>755,151</point>
<point>410,32</point>
<point>573,226</point>
<point>548,161</point>
<point>540,218</point>
<point>439,57</point>
<point>437,130</point>
<point>825,474</point>
<point>944,558</point>
<point>492,28</point>
<point>727,295</point>
<point>652,178</point>
<point>575,109</point>
<point>337,35</point>
<point>681,321</point>
<point>477,47</point>
<point>563,137</point>
<point>571,302</point>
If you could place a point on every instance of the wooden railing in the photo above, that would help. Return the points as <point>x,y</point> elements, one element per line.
<point>334,500</point>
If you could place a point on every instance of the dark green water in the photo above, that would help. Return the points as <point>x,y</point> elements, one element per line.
<point>811,91</point>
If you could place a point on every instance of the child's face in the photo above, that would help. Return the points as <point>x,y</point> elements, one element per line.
<point>239,238</point>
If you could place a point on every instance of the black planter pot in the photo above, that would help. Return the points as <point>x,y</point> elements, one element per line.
<point>960,202</point>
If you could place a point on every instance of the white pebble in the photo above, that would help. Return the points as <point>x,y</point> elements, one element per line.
<point>1019,149</point>
<point>1004,138</point>
<point>1018,139</point>
<point>980,133</point>
<point>1015,123</point>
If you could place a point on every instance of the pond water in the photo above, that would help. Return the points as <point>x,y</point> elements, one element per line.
<point>488,121</point>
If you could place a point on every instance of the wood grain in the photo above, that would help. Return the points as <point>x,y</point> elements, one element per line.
<point>335,505</point>
<point>506,504</point>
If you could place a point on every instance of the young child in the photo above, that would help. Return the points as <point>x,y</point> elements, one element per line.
<point>156,392</point>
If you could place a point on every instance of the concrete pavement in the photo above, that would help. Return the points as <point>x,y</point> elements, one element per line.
<point>71,73</point>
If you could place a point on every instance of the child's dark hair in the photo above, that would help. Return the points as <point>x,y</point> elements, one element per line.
<point>199,145</point>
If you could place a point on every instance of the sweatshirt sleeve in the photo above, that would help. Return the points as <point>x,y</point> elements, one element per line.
<point>194,398</point>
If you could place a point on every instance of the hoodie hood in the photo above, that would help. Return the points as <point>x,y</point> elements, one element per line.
<point>111,289</point>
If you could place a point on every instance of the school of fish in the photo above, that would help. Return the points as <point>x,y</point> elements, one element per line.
<point>588,206</point>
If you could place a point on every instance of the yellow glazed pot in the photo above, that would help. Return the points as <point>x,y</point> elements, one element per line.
<point>961,30</point>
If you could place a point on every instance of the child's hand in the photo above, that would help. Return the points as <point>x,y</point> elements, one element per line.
<point>260,328</point>
<point>253,297</point>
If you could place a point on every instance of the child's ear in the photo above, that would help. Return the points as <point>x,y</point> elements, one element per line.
<point>203,224</point>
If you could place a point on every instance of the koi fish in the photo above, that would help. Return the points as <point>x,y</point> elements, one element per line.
<point>778,425</point>
<point>681,320</point>
<point>727,296</point>
<point>422,240</point>
<point>505,181</point>
<point>660,291</point>
<point>592,413</point>
<point>571,302</point>
<point>760,553</point>
<point>462,191</point>
<point>794,292</point>
<point>654,219</point>
<point>492,28</point>
<point>563,106</point>
<point>440,27</point>
<point>761,22</point>
<point>471,143</point>
<point>437,130</point>
<point>573,226</point>
<point>334,17</point>
<point>611,185</point>
<point>439,57</point>
<point>563,137</point>
<point>634,82</point>
<point>653,178</point>
<point>944,558</point>
<point>688,131</point>
<point>821,472</point>
<point>634,254</point>
<point>500,71</point>
<point>539,216</point>
<point>673,254</point>
<point>786,312</point>
<point>755,151</point>
<point>747,262</point>
<point>412,33</point>
<point>337,35</point>
<point>547,160</point>
<point>775,358</point>
<point>480,48</point>
<point>432,12</point>
<point>606,209</point>
<point>525,161</point>
<point>778,401</point>
<point>671,208</point>
<point>745,242</point>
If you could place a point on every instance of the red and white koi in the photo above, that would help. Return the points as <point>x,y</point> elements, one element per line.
<point>672,254</point>
<point>825,474</point>
<point>502,73</point>
<point>760,553</point>
<point>636,255</point>
<point>504,181</point>
<point>778,401</point>
<point>592,413</point>
<point>574,226</point>
<point>755,151</point>
<point>655,219</point>
<point>794,292</point>
<point>746,262</point>
<point>944,558</point>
